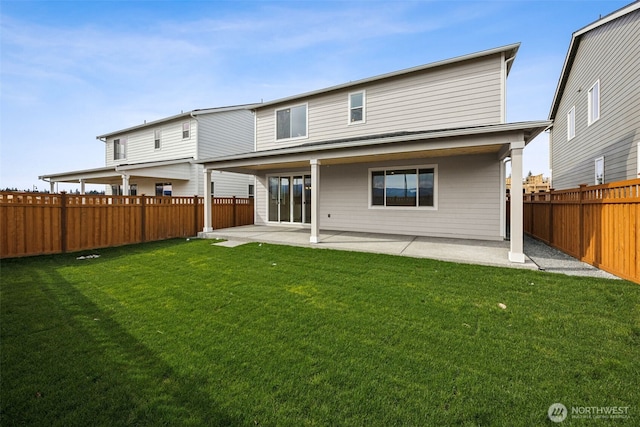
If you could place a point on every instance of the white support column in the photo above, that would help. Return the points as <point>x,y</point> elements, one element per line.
<point>315,201</point>
<point>82,186</point>
<point>125,185</point>
<point>503,198</point>
<point>207,201</point>
<point>516,254</point>
<point>52,187</point>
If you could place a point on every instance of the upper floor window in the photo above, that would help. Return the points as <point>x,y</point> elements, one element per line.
<point>599,167</point>
<point>186,130</point>
<point>291,122</point>
<point>157,134</point>
<point>571,123</point>
<point>119,148</point>
<point>356,107</point>
<point>404,187</point>
<point>594,102</point>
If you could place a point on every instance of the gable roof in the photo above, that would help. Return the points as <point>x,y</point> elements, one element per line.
<point>573,49</point>
<point>509,51</point>
<point>192,113</point>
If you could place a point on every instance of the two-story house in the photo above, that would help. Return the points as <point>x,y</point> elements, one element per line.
<point>595,137</point>
<point>418,152</point>
<point>160,157</point>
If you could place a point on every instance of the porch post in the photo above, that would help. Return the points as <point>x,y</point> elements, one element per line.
<point>315,201</point>
<point>516,254</point>
<point>503,198</point>
<point>52,187</point>
<point>207,201</point>
<point>125,185</point>
<point>82,186</point>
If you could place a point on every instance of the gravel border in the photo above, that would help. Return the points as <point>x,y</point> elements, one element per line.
<point>554,261</point>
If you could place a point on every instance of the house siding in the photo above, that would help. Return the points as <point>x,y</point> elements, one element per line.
<point>610,53</point>
<point>468,192</point>
<point>225,133</point>
<point>454,95</point>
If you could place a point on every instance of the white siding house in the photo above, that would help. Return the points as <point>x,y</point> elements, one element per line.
<point>596,108</point>
<point>418,152</point>
<point>160,157</point>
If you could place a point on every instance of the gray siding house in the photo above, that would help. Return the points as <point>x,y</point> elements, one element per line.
<point>160,157</point>
<point>419,151</point>
<point>596,108</point>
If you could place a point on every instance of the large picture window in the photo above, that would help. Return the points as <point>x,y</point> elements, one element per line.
<point>404,187</point>
<point>291,122</point>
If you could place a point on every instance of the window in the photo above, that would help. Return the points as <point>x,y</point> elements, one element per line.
<point>594,102</point>
<point>251,190</point>
<point>119,148</point>
<point>133,189</point>
<point>599,171</point>
<point>156,139</point>
<point>186,130</point>
<point>571,123</point>
<point>356,107</point>
<point>291,122</point>
<point>163,188</point>
<point>404,187</point>
<point>213,188</point>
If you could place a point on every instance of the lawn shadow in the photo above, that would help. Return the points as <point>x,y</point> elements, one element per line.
<point>66,361</point>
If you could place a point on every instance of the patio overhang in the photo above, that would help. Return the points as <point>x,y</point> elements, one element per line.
<point>494,139</point>
<point>113,175</point>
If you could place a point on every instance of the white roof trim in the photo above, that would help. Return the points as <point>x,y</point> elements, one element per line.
<point>511,49</point>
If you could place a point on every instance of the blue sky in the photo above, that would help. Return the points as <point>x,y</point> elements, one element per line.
<point>71,70</point>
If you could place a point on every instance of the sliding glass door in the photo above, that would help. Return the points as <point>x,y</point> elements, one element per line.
<point>290,199</point>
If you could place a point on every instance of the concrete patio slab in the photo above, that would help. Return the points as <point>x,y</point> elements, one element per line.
<point>494,253</point>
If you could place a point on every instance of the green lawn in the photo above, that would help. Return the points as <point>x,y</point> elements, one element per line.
<point>189,333</point>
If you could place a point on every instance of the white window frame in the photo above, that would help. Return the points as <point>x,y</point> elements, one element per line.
<point>595,173</point>
<point>410,208</point>
<point>364,108</point>
<point>122,153</point>
<point>186,125</point>
<point>594,97</point>
<point>571,123</point>
<point>306,124</point>
<point>157,139</point>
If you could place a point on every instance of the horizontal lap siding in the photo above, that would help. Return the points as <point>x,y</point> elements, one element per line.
<point>468,200</point>
<point>457,95</point>
<point>225,133</point>
<point>610,53</point>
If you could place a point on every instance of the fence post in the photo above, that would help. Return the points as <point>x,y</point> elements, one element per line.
<point>63,221</point>
<point>581,221</point>
<point>195,215</point>
<point>550,199</point>
<point>234,211</point>
<point>143,218</point>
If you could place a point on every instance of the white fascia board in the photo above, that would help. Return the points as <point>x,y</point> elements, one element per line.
<point>509,50</point>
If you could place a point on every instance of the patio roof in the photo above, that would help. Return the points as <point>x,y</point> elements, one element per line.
<point>392,146</point>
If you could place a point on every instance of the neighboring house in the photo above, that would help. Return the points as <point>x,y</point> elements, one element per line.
<point>159,157</point>
<point>417,152</point>
<point>533,184</point>
<point>596,108</point>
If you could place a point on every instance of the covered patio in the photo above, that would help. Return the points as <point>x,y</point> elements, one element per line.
<point>502,142</point>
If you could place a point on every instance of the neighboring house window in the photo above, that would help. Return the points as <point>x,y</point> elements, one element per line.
<point>119,148</point>
<point>157,134</point>
<point>116,190</point>
<point>571,123</point>
<point>251,190</point>
<point>163,189</point>
<point>356,107</point>
<point>594,102</point>
<point>213,188</point>
<point>291,122</point>
<point>404,187</point>
<point>599,171</point>
<point>186,130</point>
<point>133,190</point>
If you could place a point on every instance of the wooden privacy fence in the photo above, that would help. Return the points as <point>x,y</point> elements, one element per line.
<point>35,224</point>
<point>598,224</point>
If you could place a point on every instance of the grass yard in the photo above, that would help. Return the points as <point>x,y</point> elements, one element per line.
<point>189,333</point>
